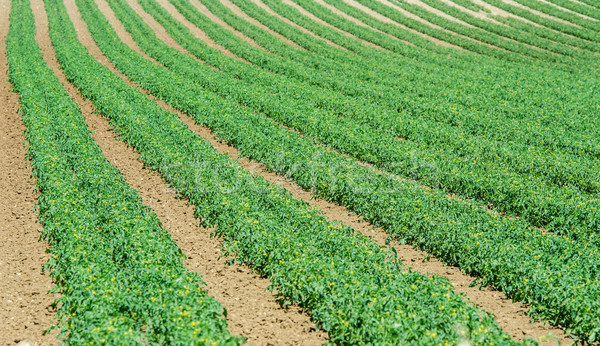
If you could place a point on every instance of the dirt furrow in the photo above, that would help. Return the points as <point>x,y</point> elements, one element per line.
<point>495,11</point>
<point>385,19</point>
<point>538,13</point>
<point>301,28</point>
<point>463,23</point>
<point>238,12</point>
<point>424,21</point>
<point>197,32</point>
<point>356,21</point>
<point>438,12</point>
<point>316,19</point>
<point>568,10</point>
<point>158,29</point>
<point>25,311</point>
<point>510,316</point>
<point>202,9</point>
<point>477,14</point>
<point>252,310</point>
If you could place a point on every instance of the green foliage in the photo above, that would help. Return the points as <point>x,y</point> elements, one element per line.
<point>358,291</point>
<point>502,126</point>
<point>529,266</point>
<point>119,274</point>
<point>473,167</point>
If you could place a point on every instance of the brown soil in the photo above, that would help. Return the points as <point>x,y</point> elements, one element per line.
<point>510,316</point>
<point>538,13</point>
<point>477,14</point>
<point>385,19</point>
<point>495,11</point>
<point>569,11</point>
<point>200,7</point>
<point>238,12</point>
<point>252,311</point>
<point>581,3</point>
<point>25,311</point>
<point>158,29</point>
<point>322,22</point>
<point>438,12</point>
<point>356,21</point>
<point>179,220</point>
<point>446,16</point>
<point>304,30</point>
<point>195,30</point>
<point>314,18</point>
<point>455,33</point>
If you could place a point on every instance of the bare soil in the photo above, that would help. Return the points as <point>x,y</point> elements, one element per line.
<point>356,21</point>
<point>509,315</point>
<point>538,13</point>
<point>438,12</point>
<point>25,311</point>
<point>322,22</point>
<point>569,11</point>
<point>200,7</point>
<point>252,310</point>
<point>385,19</point>
<point>158,29</point>
<point>304,30</point>
<point>238,12</point>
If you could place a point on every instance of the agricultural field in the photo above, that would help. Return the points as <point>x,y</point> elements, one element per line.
<point>300,172</point>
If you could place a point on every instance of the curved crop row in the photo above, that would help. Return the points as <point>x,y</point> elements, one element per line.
<point>356,290</point>
<point>584,9</point>
<point>529,266</point>
<point>591,26</point>
<point>506,124</point>
<point>473,174</point>
<point>512,33</point>
<point>119,274</point>
<point>576,31</point>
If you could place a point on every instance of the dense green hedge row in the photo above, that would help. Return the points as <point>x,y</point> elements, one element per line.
<point>528,265</point>
<point>354,289</point>
<point>118,272</point>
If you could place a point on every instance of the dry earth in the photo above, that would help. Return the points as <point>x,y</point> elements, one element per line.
<point>253,311</point>
<point>25,311</point>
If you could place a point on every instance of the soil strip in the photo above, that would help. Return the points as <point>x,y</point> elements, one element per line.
<point>252,310</point>
<point>26,309</point>
<point>509,315</point>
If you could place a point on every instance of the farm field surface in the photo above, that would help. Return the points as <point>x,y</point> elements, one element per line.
<point>300,172</point>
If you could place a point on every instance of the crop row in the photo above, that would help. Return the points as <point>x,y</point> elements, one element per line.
<point>119,274</point>
<point>532,267</point>
<point>428,95</point>
<point>589,11</point>
<point>356,290</point>
<point>418,101</point>
<point>546,32</point>
<point>514,34</point>
<point>587,25</point>
<point>473,174</point>
<point>489,37</point>
<point>547,22</point>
